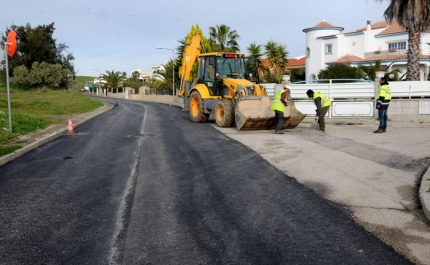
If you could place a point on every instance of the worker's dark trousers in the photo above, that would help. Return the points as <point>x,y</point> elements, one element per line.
<point>280,118</point>
<point>383,118</point>
<point>321,120</point>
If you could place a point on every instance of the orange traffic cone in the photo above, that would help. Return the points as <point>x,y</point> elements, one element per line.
<point>70,127</point>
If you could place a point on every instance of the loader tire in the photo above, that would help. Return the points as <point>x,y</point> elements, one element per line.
<point>197,109</point>
<point>224,113</point>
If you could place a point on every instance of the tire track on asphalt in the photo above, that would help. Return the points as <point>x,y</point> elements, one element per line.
<point>116,254</point>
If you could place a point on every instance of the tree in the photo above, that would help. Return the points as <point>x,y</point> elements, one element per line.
<point>113,79</point>
<point>205,47</point>
<point>135,75</point>
<point>167,76</point>
<point>340,70</point>
<point>414,16</point>
<point>256,66</point>
<point>224,39</point>
<point>277,55</point>
<point>370,71</point>
<point>38,45</point>
<point>40,75</point>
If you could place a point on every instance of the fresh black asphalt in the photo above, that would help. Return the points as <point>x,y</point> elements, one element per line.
<point>142,184</point>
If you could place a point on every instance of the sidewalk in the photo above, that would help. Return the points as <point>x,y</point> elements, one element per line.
<point>372,175</point>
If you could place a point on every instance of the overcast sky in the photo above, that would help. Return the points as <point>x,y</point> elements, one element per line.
<point>123,35</point>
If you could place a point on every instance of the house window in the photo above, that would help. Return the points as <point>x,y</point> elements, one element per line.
<point>397,45</point>
<point>308,52</point>
<point>328,49</point>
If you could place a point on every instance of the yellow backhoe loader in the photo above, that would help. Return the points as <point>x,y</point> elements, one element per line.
<point>221,89</point>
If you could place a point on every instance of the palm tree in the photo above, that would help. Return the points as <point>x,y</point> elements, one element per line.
<point>256,67</point>
<point>167,75</point>
<point>113,79</point>
<point>223,38</point>
<point>135,75</point>
<point>370,71</point>
<point>277,55</point>
<point>414,16</point>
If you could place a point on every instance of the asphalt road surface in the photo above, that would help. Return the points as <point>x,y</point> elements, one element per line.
<point>141,184</point>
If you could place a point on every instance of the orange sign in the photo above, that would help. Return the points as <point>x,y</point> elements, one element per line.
<point>11,43</point>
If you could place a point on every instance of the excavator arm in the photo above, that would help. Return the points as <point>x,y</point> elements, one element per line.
<point>191,53</point>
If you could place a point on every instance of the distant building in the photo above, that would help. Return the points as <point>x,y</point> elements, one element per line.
<point>156,70</point>
<point>144,76</point>
<point>327,44</point>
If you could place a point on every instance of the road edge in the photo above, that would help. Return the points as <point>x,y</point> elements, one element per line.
<point>424,193</point>
<point>59,130</point>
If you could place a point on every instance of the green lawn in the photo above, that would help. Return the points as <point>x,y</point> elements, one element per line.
<point>80,81</point>
<point>34,110</point>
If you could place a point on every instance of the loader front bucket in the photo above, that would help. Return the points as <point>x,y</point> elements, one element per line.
<point>253,113</point>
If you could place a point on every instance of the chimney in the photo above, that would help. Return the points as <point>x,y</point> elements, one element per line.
<point>369,37</point>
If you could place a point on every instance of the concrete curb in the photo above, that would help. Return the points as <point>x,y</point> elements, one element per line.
<point>27,148</point>
<point>52,132</point>
<point>425,193</point>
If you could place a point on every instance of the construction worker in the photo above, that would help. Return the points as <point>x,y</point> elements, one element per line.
<point>278,106</point>
<point>323,103</point>
<point>382,103</point>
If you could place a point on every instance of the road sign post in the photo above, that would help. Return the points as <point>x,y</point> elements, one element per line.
<point>10,48</point>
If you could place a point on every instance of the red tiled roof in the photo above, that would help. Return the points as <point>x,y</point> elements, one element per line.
<point>392,57</point>
<point>347,59</point>
<point>350,58</point>
<point>298,61</point>
<point>376,25</point>
<point>265,62</point>
<point>393,28</point>
<point>323,25</point>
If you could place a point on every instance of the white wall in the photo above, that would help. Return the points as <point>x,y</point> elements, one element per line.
<point>381,43</point>
<point>316,45</point>
<point>357,48</point>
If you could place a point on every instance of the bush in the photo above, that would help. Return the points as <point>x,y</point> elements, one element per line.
<point>338,71</point>
<point>41,75</point>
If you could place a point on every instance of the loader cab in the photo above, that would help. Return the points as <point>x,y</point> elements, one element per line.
<point>215,67</point>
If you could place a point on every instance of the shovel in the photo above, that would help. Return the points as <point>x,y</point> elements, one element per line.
<point>315,125</point>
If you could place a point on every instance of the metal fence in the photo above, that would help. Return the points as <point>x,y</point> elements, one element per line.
<point>361,90</point>
<point>410,89</point>
<point>158,91</point>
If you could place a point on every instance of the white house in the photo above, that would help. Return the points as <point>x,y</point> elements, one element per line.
<point>144,76</point>
<point>327,44</point>
<point>156,72</point>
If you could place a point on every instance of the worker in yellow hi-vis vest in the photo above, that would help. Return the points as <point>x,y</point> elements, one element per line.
<point>278,106</point>
<point>382,103</point>
<point>323,103</point>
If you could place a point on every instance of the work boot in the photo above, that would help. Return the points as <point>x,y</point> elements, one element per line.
<point>378,131</point>
<point>279,132</point>
<point>384,130</point>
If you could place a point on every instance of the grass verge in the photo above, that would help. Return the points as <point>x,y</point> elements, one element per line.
<point>37,109</point>
<point>4,150</point>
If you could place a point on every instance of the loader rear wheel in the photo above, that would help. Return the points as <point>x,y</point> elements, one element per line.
<point>224,113</point>
<point>197,109</point>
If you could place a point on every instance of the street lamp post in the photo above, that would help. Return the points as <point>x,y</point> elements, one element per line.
<point>98,85</point>
<point>173,70</point>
